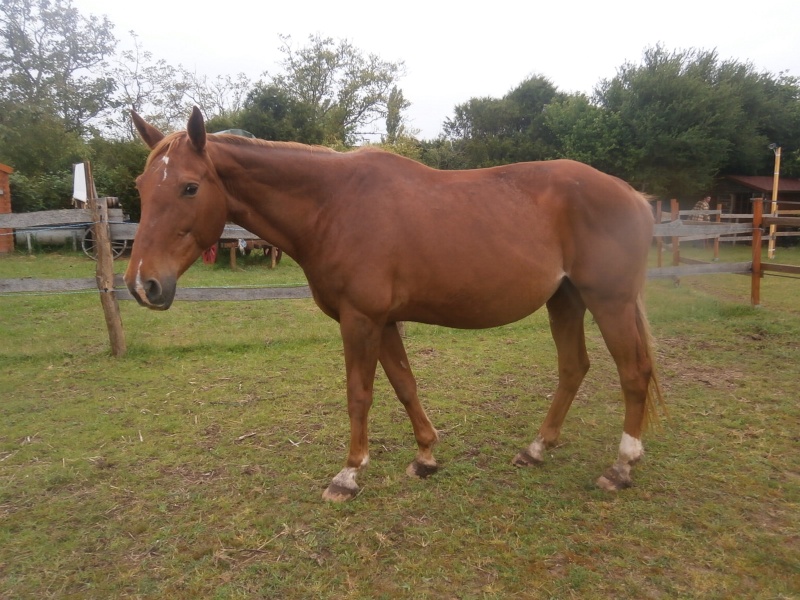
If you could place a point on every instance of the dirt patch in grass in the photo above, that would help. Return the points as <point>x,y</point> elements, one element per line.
<point>686,370</point>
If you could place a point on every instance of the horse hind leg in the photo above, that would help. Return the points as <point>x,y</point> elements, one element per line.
<point>625,331</point>
<point>395,363</point>
<point>566,310</point>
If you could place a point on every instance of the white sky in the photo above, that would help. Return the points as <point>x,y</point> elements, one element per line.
<point>454,51</point>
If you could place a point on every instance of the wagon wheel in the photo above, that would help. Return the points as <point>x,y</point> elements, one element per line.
<point>89,246</point>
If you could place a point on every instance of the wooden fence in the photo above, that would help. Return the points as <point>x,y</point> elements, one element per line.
<point>107,225</point>
<point>119,230</point>
<point>684,225</point>
<point>671,225</point>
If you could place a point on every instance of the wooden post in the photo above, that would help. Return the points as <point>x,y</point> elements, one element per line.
<point>676,241</point>
<point>716,239</point>
<point>105,267</point>
<point>273,256</point>
<point>774,207</point>
<point>659,239</point>
<point>755,277</point>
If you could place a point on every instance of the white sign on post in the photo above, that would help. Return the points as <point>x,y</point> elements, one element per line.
<point>79,183</point>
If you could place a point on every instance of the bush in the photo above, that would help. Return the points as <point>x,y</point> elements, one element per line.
<point>115,167</point>
<point>45,191</point>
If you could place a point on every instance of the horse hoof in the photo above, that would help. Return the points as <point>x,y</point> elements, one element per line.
<point>613,481</point>
<point>420,470</point>
<point>339,493</point>
<point>524,459</point>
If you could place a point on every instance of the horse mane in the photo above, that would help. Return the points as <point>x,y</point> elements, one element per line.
<point>234,140</point>
<point>238,140</point>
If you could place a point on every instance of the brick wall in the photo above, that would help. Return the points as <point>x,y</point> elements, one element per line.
<point>6,241</point>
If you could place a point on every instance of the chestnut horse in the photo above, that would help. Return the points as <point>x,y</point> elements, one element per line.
<point>384,239</point>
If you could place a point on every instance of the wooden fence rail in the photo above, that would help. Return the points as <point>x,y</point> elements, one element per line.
<point>27,285</point>
<point>120,230</point>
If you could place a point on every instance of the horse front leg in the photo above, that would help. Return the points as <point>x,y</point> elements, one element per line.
<point>362,340</point>
<point>395,363</point>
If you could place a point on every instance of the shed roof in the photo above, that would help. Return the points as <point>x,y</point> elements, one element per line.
<point>6,168</point>
<point>763,183</point>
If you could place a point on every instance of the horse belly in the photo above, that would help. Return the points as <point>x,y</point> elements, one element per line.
<point>482,300</point>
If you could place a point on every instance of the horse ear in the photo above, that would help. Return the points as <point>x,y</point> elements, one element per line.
<point>197,129</point>
<point>147,132</point>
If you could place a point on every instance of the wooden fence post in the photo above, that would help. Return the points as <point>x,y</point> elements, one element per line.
<point>105,267</point>
<point>755,277</point>
<point>676,241</point>
<point>716,239</point>
<point>659,240</point>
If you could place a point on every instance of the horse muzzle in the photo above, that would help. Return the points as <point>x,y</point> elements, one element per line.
<point>156,294</point>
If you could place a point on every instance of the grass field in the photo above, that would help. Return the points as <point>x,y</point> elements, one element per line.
<point>193,467</point>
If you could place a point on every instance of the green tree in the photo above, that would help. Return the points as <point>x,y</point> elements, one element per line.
<point>115,166</point>
<point>222,96</point>
<point>768,111</point>
<point>494,131</point>
<point>153,88</point>
<point>347,90</point>
<point>443,153</point>
<point>34,141</point>
<point>52,58</point>
<point>164,94</point>
<point>271,113</point>
<point>686,117</point>
<point>579,129</point>
<point>395,126</point>
<point>41,191</point>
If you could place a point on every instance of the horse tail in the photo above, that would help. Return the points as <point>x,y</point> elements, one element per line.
<point>654,401</point>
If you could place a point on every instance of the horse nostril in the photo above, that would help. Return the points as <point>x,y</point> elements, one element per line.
<point>153,292</point>
<point>152,288</point>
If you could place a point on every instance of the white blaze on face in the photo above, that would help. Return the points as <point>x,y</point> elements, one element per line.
<point>630,449</point>
<point>139,286</point>
<point>165,160</point>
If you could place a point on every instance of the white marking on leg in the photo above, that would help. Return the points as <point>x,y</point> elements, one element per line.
<point>537,448</point>
<point>618,476</point>
<point>630,449</point>
<point>346,478</point>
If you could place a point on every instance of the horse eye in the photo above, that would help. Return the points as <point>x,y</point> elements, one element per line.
<point>190,189</point>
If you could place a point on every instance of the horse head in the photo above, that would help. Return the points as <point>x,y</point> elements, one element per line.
<point>183,210</point>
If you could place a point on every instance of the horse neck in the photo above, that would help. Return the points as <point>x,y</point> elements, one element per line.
<point>275,191</point>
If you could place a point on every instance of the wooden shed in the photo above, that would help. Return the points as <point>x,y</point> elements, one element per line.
<point>734,192</point>
<point>6,237</point>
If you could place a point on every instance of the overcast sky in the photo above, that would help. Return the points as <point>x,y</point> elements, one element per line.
<point>454,51</point>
